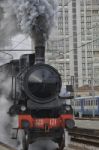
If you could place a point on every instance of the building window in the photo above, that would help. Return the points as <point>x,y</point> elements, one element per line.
<point>95,11</point>
<point>88,19</point>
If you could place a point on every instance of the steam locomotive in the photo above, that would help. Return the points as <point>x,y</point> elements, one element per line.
<point>41,112</point>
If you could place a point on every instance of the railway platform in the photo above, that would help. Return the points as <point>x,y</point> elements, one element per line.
<point>87,123</point>
<point>5,147</point>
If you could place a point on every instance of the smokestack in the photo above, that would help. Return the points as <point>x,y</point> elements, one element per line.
<point>39,54</point>
<point>39,32</point>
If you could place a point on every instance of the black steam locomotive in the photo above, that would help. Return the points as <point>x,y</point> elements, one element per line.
<point>41,112</point>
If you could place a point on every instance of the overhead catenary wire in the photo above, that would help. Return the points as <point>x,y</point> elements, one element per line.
<point>64,53</point>
<point>78,47</point>
<point>14,48</point>
<point>11,56</point>
<point>20,43</point>
<point>77,34</point>
<point>84,45</point>
<point>59,39</point>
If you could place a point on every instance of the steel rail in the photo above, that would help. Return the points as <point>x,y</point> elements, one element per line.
<point>85,136</point>
<point>85,141</point>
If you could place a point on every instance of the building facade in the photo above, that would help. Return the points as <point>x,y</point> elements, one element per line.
<point>74,47</point>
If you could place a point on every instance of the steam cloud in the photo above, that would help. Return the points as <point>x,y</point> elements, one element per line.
<point>8,23</point>
<point>35,17</point>
<point>5,103</point>
<point>32,17</point>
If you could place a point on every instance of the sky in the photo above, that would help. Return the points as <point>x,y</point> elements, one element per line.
<point>19,42</point>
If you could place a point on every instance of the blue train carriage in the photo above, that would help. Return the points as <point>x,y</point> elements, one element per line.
<point>86,106</point>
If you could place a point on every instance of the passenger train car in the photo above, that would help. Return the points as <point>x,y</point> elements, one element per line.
<point>86,106</point>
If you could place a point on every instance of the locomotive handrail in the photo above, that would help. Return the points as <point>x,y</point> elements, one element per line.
<point>16,77</point>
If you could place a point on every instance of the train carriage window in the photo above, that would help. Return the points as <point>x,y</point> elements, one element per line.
<point>88,102</point>
<point>79,103</point>
<point>84,102</point>
<point>91,102</point>
<point>96,101</point>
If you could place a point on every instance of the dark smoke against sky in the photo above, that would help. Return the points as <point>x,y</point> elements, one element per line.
<point>35,17</point>
<point>32,17</point>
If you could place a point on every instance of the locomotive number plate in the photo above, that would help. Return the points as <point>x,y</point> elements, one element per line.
<point>53,122</point>
<point>42,122</point>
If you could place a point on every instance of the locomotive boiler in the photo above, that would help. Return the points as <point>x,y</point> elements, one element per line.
<point>41,112</point>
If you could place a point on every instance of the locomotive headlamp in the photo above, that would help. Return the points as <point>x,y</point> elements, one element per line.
<point>25,124</point>
<point>23,108</point>
<point>69,124</point>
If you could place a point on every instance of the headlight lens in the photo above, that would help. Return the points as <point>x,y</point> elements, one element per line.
<point>25,124</point>
<point>70,124</point>
<point>23,108</point>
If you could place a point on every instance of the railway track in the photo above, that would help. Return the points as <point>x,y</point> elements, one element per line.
<point>5,147</point>
<point>85,136</point>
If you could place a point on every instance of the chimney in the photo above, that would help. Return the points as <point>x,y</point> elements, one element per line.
<point>39,54</point>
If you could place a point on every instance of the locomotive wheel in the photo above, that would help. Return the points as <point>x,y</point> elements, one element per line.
<point>61,142</point>
<point>62,145</point>
<point>25,143</point>
<point>22,140</point>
